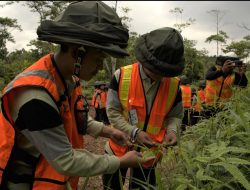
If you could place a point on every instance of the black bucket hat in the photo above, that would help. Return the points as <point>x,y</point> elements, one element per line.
<point>99,83</point>
<point>161,51</point>
<point>87,23</point>
<point>220,60</point>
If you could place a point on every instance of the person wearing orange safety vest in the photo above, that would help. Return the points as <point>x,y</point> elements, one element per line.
<point>144,100</point>
<point>99,101</point>
<point>44,114</point>
<point>186,93</point>
<point>220,80</point>
<point>105,116</point>
<point>199,103</point>
<point>200,96</point>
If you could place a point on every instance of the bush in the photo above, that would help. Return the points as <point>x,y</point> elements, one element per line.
<point>214,154</point>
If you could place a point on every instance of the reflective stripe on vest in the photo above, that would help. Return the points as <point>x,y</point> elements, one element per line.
<point>131,95</point>
<point>213,88</point>
<point>186,93</point>
<point>41,74</point>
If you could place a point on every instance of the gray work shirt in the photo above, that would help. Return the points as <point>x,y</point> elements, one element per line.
<point>114,108</point>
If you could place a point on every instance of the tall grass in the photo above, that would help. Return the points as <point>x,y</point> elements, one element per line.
<point>213,154</point>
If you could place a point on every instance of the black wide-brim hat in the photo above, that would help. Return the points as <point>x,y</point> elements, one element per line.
<point>161,51</point>
<point>90,23</point>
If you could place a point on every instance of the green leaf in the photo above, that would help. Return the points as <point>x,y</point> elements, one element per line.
<point>240,134</point>
<point>148,153</point>
<point>203,159</point>
<point>182,180</point>
<point>218,134</point>
<point>236,161</point>
<point>237,118</point>
<point>207,178</point>
<point>193,187</point>
<point>200,175</point>
<point>182,187</point>
<point>220,151</point>
<point>235,172</point>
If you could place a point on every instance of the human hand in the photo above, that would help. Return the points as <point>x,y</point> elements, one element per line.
<point>120,137</point>
<point>134,159</point>
<point>228,66</point>
<point>170,139</point>
<point>242,69</point>
<point>145,139</point>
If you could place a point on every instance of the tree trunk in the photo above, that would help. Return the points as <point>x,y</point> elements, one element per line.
<point>113,60</point>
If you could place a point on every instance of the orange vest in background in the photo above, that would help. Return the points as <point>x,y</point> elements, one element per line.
<point>131,95</point>
<point>99,95</point>
<point>200,100</point>
<point>219,89</point>
<point>41,74</point>
<point>103,99</point>
<point>186,94</point>
<point>94,101</point>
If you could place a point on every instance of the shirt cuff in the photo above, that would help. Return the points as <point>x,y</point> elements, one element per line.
<point>172,125</point>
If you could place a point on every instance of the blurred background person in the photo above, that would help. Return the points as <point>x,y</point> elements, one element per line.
<point>228,72</point>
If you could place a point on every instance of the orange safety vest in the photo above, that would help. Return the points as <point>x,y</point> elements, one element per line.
<point>94,101</point>
<point>41,74</point>
<point>200,100</point>
<point>131,96</point>
<point>186,94</point>
<point>219,89</point>
<point>103,96</point>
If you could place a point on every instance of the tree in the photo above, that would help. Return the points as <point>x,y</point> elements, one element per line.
<point>193,65</point>
<point>6,26</point>
<point>126,23</point>
<point>14,63</point>
<point>125,19</point>
<point>180,26</point>
<point>244,26</point>
<point>219,36</point>
<point>190,59</point>
<point>241,48</point>
<point>41,48</point>
<point>46,10</point>
<point>111,63</point>
<point>196,61</point>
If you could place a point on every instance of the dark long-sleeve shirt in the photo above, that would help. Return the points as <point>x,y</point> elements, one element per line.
<point>213,74</point>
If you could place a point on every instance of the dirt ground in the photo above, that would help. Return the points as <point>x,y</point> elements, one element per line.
<point>95,146</point>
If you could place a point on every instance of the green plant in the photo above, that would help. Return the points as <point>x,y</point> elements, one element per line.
<point>214,154</point>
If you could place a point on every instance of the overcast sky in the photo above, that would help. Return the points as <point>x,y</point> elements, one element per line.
<point>150,15</point>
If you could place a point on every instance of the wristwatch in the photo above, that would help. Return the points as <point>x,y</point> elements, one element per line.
<point>134,134</point>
